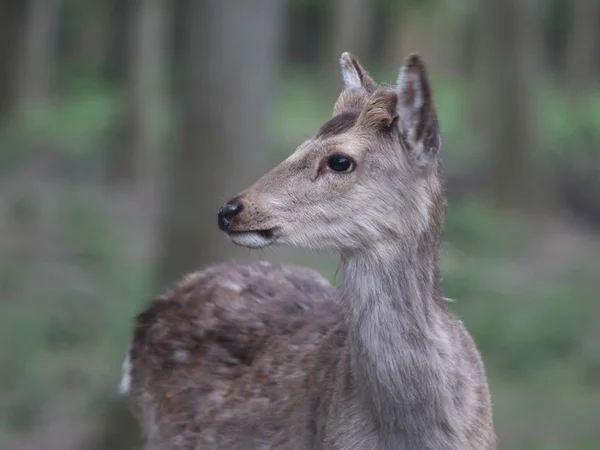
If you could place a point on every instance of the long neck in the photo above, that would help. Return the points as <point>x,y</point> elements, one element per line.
<point>398,344</point>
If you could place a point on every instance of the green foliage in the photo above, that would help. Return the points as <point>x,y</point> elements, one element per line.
<point>473,227</point>
<point>70,328</point>
<point>565,124</point>
<point>77,124</point>
<point>88,231</point>
<point>299,112</point>
<point>523,326</point>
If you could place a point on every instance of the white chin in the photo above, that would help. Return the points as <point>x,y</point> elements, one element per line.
<point>250,239</point>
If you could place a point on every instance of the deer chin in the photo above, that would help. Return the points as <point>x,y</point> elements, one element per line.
<point>253,238</point>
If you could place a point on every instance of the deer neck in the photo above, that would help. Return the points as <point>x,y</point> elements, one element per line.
<point>396,334</point>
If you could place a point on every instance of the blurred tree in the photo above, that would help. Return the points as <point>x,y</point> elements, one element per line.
<point>351,31</point>
<point>306,29</point>
<point>148,43</point>
<point>582,58</point>
<point>411,31</point>
<point>508,66</point>
<point>117,54</point>
<point>177,53</point>
<point>10,18</point>
<point>37,51</point>
<point>432,28</point>
<point>90,25</point>
<point>229,68</point>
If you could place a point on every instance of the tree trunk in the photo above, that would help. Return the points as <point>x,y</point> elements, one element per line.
<point>148,44</point>
<point>37,56</point>
<point>177,49</point>
<point>229,65</point>
<point>583,48</point>
<point>93,27</point>
<point>352,23</point>
<point>506,98</point>
<point>11,15</point>
<point>117,55</point>
<point>413,31</point>
<point>38,51</point>
<point>434,31</point>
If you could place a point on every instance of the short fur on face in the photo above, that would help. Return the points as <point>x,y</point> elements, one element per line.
<point>392,135</point>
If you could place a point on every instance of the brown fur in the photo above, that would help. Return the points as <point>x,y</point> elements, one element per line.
<point>338,124</point>
<point>250,355</point>
<point>214,352</point>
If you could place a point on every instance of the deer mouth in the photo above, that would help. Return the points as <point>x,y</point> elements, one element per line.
<point>253,238</point>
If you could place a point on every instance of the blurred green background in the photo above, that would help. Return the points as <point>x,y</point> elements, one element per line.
<point>124,125</point>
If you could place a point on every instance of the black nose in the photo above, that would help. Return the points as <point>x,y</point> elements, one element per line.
<point>227,212</point>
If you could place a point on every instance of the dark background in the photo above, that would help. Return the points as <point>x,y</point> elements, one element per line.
<point>125,124</point>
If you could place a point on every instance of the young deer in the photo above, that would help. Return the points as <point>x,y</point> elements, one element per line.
<point>250,355</point>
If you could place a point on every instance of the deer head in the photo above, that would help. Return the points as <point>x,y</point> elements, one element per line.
<point>369,175</point>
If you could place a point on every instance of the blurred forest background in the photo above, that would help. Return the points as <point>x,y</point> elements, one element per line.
<point>124,125</point>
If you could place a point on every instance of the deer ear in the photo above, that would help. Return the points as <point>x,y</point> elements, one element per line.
<point>417,120</point>
<point>354,75</point>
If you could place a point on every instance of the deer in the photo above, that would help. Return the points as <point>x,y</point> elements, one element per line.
<point>254,355</point>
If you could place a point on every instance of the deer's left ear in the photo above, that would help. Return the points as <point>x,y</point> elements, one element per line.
<point>354,75</point>
<point>417,119</point>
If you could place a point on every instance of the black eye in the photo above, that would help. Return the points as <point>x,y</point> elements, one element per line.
<point>340,163</point>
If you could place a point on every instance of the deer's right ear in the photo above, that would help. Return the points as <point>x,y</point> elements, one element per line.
<point>355,77</point>
<point>417,119</point>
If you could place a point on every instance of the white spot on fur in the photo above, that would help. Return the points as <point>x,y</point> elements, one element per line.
<point>232,286</point>
<point>216,397</point>
<point>192,277</point>
<point>181,356</point>
<point>125,383</point>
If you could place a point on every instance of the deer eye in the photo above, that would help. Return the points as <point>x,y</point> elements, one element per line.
<point>341,163</point>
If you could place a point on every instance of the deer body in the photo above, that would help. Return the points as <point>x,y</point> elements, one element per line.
<point>252,355</point>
